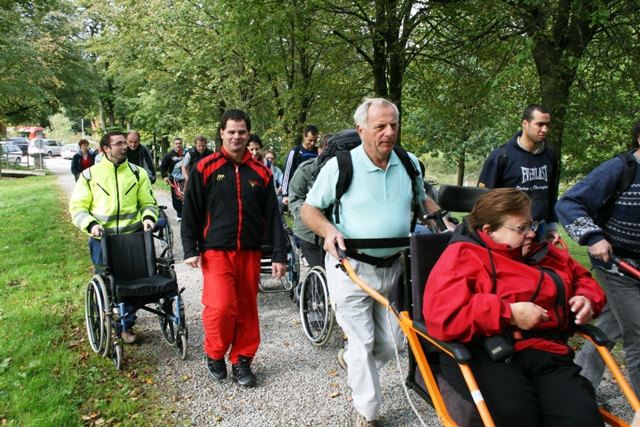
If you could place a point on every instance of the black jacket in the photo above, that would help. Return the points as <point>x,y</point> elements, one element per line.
<point>142,157</point>
<point>229,206</point>
<point>169,161</point>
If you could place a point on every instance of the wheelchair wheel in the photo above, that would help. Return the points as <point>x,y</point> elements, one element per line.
<point>117,355</point>
<point>315,309</point>
<point>168,327</point>
<point>98,316</point>
<point>291,279</point>
<point>164,237</point>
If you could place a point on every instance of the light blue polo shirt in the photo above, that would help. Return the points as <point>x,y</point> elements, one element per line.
<point>377,203</point>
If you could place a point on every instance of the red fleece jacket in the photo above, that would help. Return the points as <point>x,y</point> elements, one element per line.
<point>459,304</point>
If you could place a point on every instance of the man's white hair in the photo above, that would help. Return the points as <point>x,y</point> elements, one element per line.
<point>361,116</point>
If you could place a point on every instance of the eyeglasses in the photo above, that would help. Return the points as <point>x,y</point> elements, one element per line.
<point>523,229</point>
<point>118,144</point>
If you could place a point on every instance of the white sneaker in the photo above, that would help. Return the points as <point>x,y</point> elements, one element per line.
<point>362,422</point>
<point>179,219</point>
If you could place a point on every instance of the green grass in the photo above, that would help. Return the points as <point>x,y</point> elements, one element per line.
<point>48,372</point>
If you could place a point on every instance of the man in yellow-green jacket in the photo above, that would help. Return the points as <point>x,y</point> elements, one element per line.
<point>113,197</point>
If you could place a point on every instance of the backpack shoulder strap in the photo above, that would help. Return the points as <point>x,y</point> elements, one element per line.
<point>135,170</point>
<point>629,172</point>
<point>502,163</point>
<point>414,173</point>
<point>345,173</point>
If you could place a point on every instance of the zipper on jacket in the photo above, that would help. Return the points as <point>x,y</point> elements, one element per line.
<point>117,200</point>
<point>130,188</point>
<point>106,192</point>
<point>238,185</point>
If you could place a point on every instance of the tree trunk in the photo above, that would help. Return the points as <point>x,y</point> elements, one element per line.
<point>461,168</point>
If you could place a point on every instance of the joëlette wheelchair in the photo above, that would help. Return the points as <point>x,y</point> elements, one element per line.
<point>290,280</point>
<point>133,277</point>
<point>425,376</point>
<point>162,234</point>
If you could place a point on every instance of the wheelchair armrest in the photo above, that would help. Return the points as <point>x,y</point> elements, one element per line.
<point>459,351</point>
<point>165,262</point>
<point>596,334</point>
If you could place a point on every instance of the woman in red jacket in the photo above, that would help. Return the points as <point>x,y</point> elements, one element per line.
<point>499,280</point>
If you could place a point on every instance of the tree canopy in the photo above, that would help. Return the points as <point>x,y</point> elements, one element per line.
<point>461,72</point>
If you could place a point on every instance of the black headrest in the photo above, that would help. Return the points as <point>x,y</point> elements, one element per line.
<point>457,198</point>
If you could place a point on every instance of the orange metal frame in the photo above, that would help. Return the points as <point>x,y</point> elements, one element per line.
<point>406,324</point>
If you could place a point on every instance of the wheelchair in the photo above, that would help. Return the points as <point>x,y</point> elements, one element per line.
<point>424,374</point>
<point>132,277</point>
<point>290,280</point>
<point>162,234</point>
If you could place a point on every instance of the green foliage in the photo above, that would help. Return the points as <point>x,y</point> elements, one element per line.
<point>60,128</point>
<point>48,373</point>
<point>40,62</point>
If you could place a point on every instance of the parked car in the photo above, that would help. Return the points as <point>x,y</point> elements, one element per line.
<point>50,147</point>
<point>68,151</point>
<point>11,153</point>
<point>21,142</point>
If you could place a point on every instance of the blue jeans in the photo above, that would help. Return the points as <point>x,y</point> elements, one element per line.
<point>95,251</point>
<point>620,320</point>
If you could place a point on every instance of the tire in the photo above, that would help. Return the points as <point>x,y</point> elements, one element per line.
<point>182,344</point>
<point>168,327</point>
<point>117,355</point>
<point>291,279</point>
<point>18,161</point>
<point>316,313</point>
<point>164,237</point>
<point>97,316</point>
<point>49,154</point>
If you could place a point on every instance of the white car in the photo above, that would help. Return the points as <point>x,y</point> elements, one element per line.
<point>11,153</point>
<point>68,151</point>
<point>50,147</point>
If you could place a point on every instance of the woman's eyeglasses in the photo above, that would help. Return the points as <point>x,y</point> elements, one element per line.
<point>523,229</point>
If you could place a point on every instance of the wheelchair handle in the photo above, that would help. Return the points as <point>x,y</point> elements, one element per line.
<point>345,265</point>
<point>617,261</point>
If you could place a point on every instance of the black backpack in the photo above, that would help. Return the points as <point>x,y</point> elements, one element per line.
<point>340,146</point>
<point>628,174</point>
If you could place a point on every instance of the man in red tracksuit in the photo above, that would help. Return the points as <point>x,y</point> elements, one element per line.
<point>229,208</point>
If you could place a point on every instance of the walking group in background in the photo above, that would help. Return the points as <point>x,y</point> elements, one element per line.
<point>232,202</point>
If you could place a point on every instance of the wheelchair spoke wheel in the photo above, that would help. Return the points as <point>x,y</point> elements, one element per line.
<point>168,327</point>
<point>315,309</point>
<point>163,237</point>
<point>97,317</point>
<point>117,355</point>
<point>291,279</point>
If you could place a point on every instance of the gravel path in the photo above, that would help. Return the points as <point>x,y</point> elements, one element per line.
<point>298,384</point>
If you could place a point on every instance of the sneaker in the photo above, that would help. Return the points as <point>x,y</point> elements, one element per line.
<point>217,368</point>
<point>129,337</point>
<point>179,219</point>
<point>362,422</point>
<point>341,361</point>
<point>242,372</point>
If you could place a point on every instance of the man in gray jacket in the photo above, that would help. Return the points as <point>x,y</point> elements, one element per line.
<point>310,243</point>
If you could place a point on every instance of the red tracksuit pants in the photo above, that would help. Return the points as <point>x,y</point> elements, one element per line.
<point>230,315</point>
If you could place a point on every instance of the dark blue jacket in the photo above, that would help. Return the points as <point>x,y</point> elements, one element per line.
<point>578,206</point>
<point>76,162</point>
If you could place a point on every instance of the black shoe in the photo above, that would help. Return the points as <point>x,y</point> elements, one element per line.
<point>242,372</point>
<point>217,368</point>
